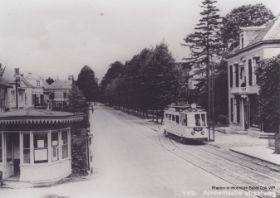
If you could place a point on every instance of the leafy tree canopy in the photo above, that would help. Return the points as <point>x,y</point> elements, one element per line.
<point>243,16</point>
<point>49,80</point>
<point>87,83</point>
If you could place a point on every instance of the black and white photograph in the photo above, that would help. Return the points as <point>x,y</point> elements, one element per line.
<point>139,99</point>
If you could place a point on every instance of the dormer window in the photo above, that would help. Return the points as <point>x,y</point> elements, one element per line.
<point>38,83</point>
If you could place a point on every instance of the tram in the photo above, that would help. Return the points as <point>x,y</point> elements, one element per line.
<point>186,122</point>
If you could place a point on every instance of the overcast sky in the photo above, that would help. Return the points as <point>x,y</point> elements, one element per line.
<point>57,37</point>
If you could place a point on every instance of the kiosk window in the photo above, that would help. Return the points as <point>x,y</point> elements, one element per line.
<point>55,146</point>
<point>64,136</point>
<point>40,147</point>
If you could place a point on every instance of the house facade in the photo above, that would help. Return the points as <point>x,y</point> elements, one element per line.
<point>256,44</point>
<point>25,91</point>
<point>58,93</point>
<point>4,85</point>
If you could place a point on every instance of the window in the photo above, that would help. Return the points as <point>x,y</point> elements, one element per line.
<point>64,137</point>
<point>185,121</point>
<point>197,120</point>
<point>169,116</point>
<point>250,72</point>
<point>173,117</point>
<point>177,119</point>
<point>236,75</point>
<point>40,147</point>
<point>257,63</point>
<point>26,148</point>
<point>38,83</point>
<point>55,146</point>
<point>203,120</point>
<point>1,149</point>
<point>230,76</point>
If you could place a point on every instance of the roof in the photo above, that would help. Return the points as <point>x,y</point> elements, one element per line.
<point>38,116</point>
<point>60,84</point>
<point>4,83</point>
<point>266,34</point>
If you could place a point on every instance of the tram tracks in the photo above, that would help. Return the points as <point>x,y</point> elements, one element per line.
<point>231,169</point>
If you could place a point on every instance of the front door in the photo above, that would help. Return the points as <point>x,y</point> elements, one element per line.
<point>13,153</point>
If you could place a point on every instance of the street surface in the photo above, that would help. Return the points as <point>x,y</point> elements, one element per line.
<point>133,159</point>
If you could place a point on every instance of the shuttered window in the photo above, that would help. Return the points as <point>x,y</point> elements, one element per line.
<point>250,72</point>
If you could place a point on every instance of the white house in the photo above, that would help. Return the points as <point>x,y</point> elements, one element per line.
<point>256,43</point>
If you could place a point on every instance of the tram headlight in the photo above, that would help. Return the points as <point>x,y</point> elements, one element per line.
<point>202,132</point>
<point>192,132</point>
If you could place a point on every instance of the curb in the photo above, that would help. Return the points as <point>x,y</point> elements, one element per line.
<point>254,157</point>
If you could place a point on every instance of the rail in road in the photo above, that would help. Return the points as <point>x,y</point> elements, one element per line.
<point>235,169</point>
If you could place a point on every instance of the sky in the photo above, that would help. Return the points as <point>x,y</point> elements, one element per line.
<point>58,37</point>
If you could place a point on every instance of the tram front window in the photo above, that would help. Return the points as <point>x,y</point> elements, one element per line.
<point>203,119</point>
<point>185,121</point>
<point>197,120</point>
<point>177,119</point>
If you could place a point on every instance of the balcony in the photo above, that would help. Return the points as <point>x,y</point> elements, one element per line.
<point>245,90</point>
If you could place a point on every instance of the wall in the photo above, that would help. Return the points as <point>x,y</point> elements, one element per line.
<point>45,172</point>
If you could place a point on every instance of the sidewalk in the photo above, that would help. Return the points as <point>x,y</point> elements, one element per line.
<point>247,145</point>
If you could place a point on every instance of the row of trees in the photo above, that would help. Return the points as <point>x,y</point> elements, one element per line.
<point>152,80</point>
<point>147,81</point>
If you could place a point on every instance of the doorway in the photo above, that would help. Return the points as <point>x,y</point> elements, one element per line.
<point>13,153</point>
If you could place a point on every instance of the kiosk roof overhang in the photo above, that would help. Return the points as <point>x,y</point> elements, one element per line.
<point>38,116</point>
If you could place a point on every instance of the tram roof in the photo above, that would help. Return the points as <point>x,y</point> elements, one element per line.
<point>184,108</point>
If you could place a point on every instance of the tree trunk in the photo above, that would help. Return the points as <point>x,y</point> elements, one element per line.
<point>162,115</point>
<point>157,115</point>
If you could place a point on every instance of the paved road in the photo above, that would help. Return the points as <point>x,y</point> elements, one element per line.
<point>132,160</point>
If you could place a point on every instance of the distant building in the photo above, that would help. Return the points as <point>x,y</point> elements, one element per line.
<point>58,93</point>
<point>256,43</point>
<point>25,92</point>
<point>4,85</point>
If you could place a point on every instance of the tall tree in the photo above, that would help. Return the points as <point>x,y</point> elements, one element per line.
<point>206,48</point>
<point>243,16</point>
<point>112,73</point>
<point>268,74</point>
<point>88,84</point>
